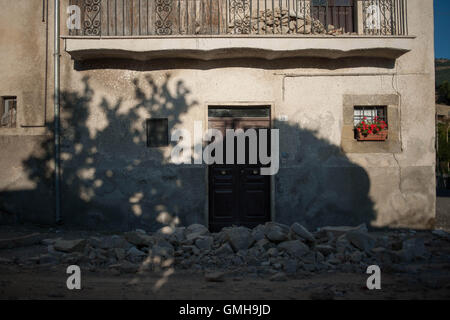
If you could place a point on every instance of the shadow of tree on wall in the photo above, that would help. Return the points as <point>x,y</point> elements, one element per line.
<point>112,181</point>
<point>109,177</point>
<point>319,185</point>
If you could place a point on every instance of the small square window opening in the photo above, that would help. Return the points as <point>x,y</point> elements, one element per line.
<point>157,132</point>
<point>8,112</point>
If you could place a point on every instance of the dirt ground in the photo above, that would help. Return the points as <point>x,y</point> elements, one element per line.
<point>17,283</point>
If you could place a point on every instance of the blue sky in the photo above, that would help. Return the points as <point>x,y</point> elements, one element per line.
<point>441,28</point>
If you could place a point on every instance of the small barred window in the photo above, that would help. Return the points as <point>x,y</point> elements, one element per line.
<point>8,112</point>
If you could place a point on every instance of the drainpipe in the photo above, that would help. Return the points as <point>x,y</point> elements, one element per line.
<point>56,119</point>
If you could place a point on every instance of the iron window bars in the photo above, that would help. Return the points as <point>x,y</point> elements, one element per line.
<point>8,112</point>
<point>369,113</point>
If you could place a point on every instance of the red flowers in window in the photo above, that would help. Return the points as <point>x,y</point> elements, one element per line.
<point>375,129</point>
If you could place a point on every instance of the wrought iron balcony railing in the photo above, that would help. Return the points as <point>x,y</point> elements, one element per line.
<point>241,17</point>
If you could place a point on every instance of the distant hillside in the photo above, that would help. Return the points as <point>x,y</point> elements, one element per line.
<point>442,70</point>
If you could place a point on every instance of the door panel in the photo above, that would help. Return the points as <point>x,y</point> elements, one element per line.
<point>222,192</point>
<point>254,200</point>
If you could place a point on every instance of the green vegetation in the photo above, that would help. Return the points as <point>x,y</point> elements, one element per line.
<point>442,76</point>
<point>443,80</point>
<point>443,91</point>
<point>444,146</point>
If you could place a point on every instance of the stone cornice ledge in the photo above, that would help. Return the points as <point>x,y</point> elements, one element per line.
<point>223,47</point>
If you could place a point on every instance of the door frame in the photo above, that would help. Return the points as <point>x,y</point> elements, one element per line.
<point>241,104</point>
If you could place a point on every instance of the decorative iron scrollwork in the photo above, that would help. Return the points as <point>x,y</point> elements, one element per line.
<point>378,17</point>
<point>240,14</point>
<point>163,11</point>
<point>92,22</point>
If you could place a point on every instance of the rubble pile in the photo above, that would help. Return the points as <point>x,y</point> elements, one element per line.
<point>282,22</point>
<point>273,249</point>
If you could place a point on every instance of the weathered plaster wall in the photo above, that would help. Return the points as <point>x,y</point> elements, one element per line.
<point>110,177</point>
<point>23,64</point>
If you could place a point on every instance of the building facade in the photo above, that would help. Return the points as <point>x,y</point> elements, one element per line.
<point>134,71</point>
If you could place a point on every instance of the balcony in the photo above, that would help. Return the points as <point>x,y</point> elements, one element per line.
<point>215,29</point>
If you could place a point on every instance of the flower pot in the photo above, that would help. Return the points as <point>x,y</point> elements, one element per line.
<point>380,136</point>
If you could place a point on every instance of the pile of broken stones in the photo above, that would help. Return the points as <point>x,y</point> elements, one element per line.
<point>272,250</point>
<point>282,22</point>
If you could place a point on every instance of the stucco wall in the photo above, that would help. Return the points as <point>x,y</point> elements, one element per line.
<point>110,177</point>
<point>23,63</point>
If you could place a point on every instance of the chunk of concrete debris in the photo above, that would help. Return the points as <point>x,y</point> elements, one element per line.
<point>190,249</point>
<point>177,235</point>
<point>356,257</point>
<point>320,257</point>
<point>290,266</point>
<point>204,243</point>
<point>69,246</point>
<point>195,231</point>
<point>386,256</point>
<point>258,233</point>
<point>111,242</point>
<point>120,253</point>
<point>298,230</point>
<point>164,252</point>
<point>413,249</point>
<point>361,240</point>
<point>215,277</point>
<point>196,227</point>
<point>324,249</point>
<point>264,244</point>
<point>273,252</point>
<point>139,239</point>
<point>225,249</point>
<point>164,244</point>
<point>295,248</point>
<point>240,238</point>
<point>134,252</point>
<point>309,258</point>
<point>441,233</point>
<point>340,230</point>
<point>343,244</point>
<point>276,232</point>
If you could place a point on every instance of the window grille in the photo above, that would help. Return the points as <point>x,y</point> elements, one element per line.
<point>8,112</point>
<point>369,113</point>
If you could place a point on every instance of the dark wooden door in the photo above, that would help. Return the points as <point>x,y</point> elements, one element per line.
<point>238,193</point>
